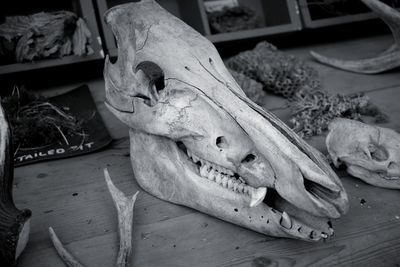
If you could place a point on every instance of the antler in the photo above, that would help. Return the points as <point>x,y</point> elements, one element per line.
<point>124,207</point>
<point>14,223</point>
<point>388,60</point>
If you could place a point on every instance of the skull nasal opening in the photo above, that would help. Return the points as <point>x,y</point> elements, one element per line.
<point>249,158</point>
<point>221,142</point>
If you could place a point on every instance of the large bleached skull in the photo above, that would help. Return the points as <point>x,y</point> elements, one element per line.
<point>197,140</point>
<point>369,152</point>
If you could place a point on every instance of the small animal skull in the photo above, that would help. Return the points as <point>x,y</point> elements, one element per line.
<point>370,153</point>
<point>197,140</point>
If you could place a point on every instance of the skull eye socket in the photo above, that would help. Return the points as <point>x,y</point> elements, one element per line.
<point>155,75</point>
<point>378,153</point>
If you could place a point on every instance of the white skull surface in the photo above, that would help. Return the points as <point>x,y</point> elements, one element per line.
<point>197,140</point>
<point>370,153</point>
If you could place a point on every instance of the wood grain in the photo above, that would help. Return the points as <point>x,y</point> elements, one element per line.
<point>71,196</point>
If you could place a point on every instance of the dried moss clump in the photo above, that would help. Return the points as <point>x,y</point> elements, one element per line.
<point>280,73</point>
<point>312,111</point>
<point>286,75</point>
<point>36,122</point>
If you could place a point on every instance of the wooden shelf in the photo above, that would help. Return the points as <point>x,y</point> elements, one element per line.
<point>83,9</point>
<point>313,20</point>
<point>45,63</point>
<point>278,17</point>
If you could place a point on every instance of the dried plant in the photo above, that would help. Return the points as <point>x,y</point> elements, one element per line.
<point>44,35</point>
<point>37,122</point>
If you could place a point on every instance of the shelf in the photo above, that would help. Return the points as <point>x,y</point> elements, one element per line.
<point>45,63</point>
<point>277,17</point>
<point>316,16</point>
<point>82,8</point>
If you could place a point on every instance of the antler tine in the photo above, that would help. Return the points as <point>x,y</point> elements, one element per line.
<point>388,60</point>
<point>124,207</point>
<point>67,258</point>
<point>383,62</point>
<point>388,14</point>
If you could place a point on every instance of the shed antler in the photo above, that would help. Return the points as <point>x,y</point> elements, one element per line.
<point>388,60</point>
<point>14,223</point>
<point>124,207</point>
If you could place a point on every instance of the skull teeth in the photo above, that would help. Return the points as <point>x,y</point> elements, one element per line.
<point>286,221</point>
<point>225,178</point>
<point>331,231</point>
<point>257,195</point>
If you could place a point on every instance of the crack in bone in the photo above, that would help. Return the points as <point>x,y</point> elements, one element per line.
<point>145,40</point>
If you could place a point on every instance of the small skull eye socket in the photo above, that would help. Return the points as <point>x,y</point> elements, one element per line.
<point>378,153</point>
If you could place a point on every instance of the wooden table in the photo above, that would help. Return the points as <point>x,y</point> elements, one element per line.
<point>71,196</point>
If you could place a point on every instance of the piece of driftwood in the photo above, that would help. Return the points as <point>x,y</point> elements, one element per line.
<point>197,140</point>
<point>14,223</point>
<point>387,60</point>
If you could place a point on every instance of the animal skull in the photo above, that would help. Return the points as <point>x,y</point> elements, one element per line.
<point>198,141</point>
<point>370,153</point>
